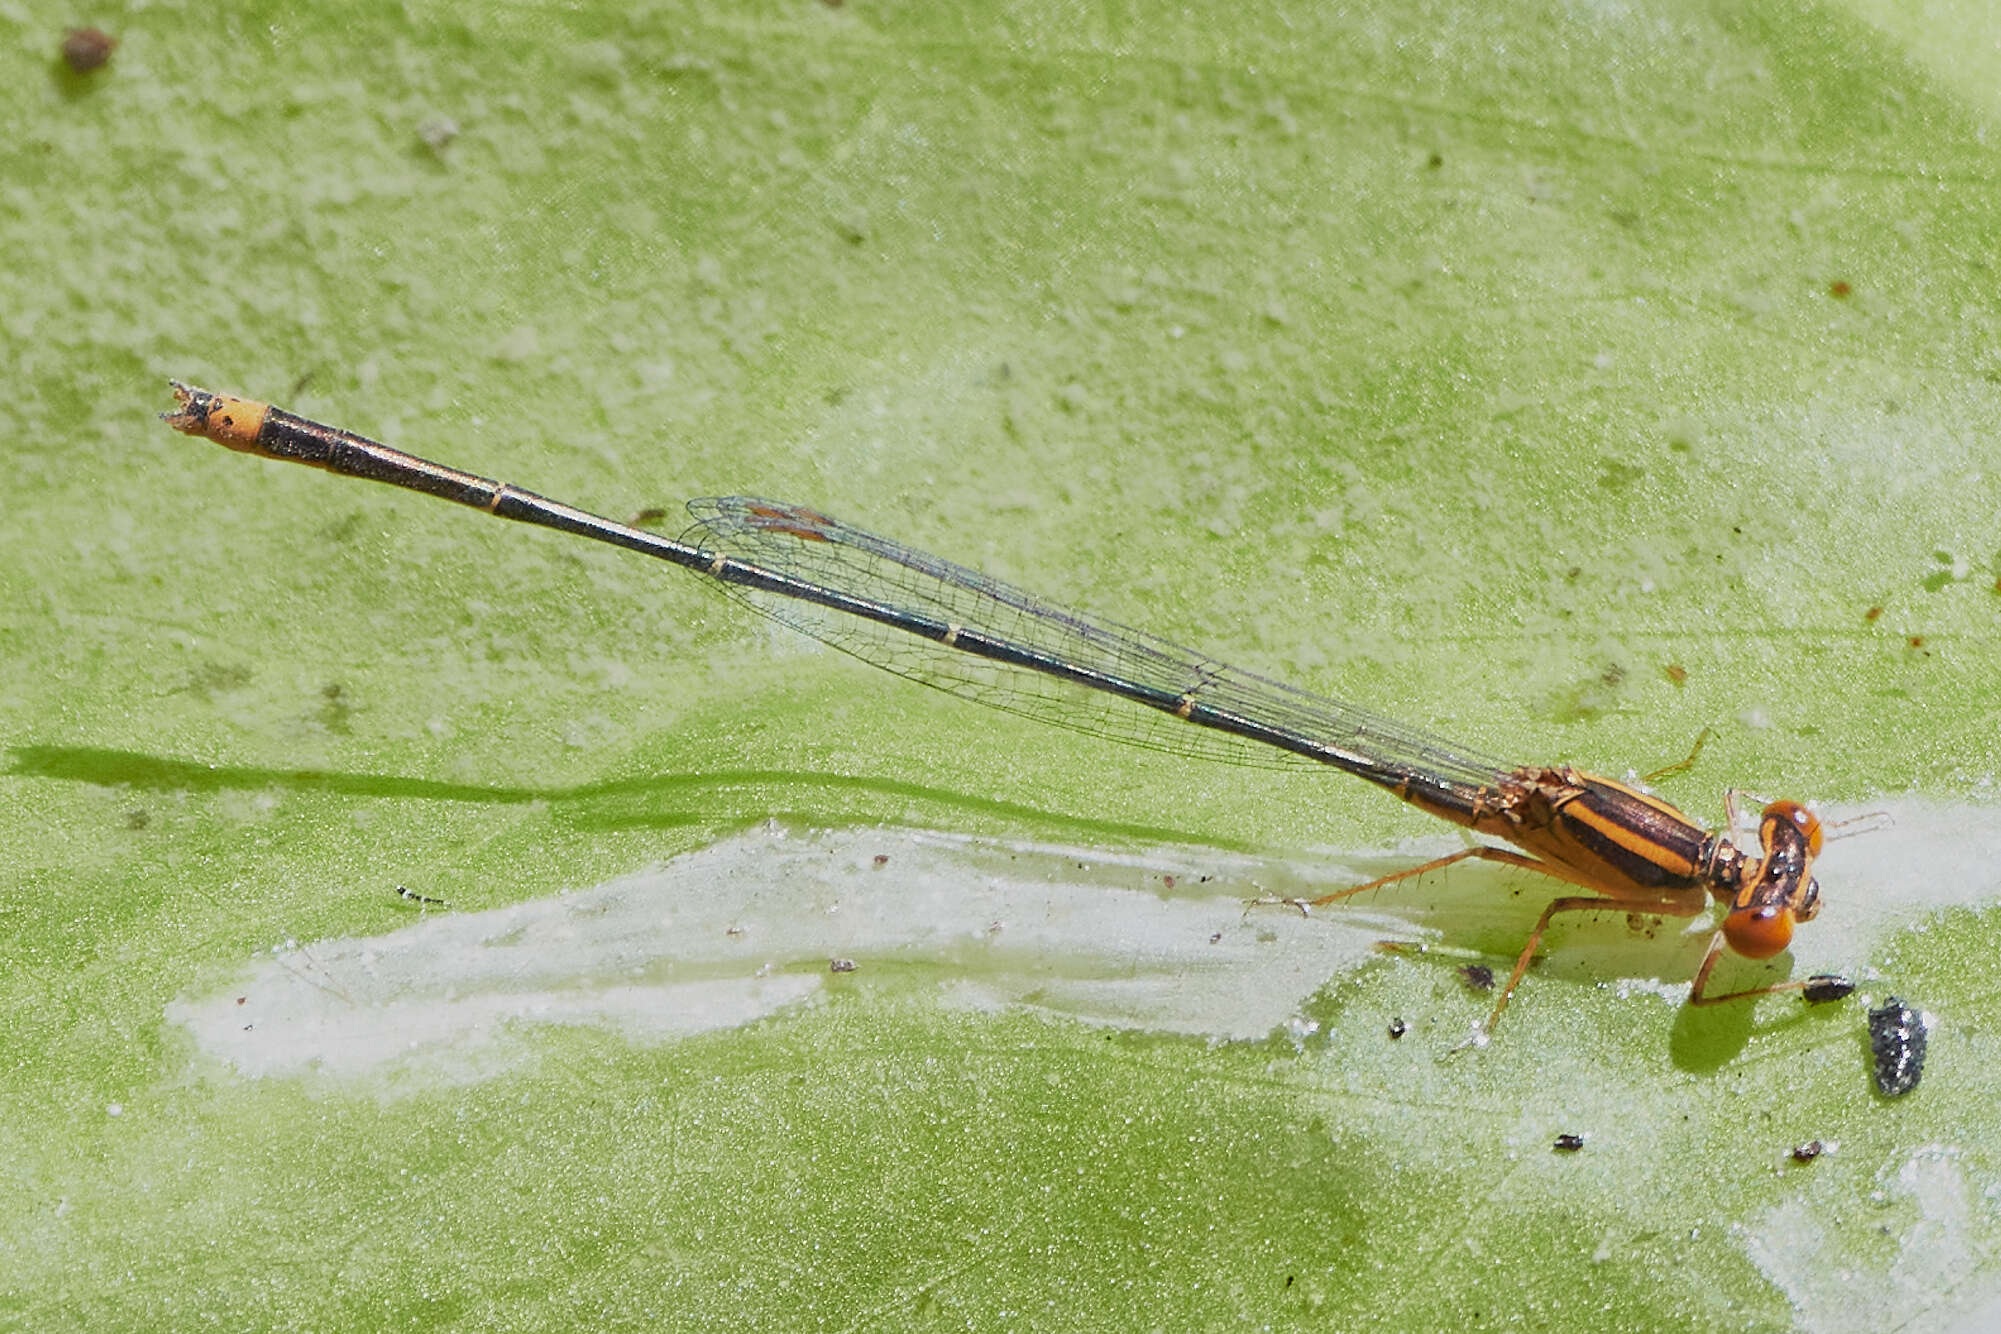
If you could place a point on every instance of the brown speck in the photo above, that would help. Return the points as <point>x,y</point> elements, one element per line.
<point>652,514</point>
<point>1917,641</point>
<point>1839,289</point>
<point>1216,938</point>
<point>1809,1151</point>
<point>841,965</point>
<point>880,860</point>
<point>86,49</point>
<point>241,999</point>
<point>1677,673</point>
<point>1168,881</point>
<point>1871,614</point>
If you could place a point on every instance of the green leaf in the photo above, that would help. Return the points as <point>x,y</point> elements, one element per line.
<point>1566,379</point>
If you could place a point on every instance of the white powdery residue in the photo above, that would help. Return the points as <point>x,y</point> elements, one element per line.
<point>1902,1260</point>
<point>1158,940</point>
<point>740,930</point>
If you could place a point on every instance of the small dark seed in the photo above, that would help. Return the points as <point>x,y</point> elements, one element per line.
<point>86,49</point>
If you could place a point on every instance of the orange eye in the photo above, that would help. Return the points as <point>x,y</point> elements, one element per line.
<point>1758,933</point>
<point>1805,820</point>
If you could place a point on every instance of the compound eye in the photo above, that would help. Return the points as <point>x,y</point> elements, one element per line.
<point>1802,819</point>
<point>1759,933</point>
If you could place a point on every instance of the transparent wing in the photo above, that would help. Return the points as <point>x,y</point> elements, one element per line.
<point>807,546</point>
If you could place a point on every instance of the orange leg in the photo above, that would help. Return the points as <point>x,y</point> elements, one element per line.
<point>1675,907</point>
<point>1820,987</point>
<point>1701,740</point>
<point>1484,853</point>
<point>1663,907</point>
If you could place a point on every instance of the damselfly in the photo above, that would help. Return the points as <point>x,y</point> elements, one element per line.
<point>971,635</point>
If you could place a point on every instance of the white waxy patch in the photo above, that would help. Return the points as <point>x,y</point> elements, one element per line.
<point>740,930</point>
<point>743,929</point>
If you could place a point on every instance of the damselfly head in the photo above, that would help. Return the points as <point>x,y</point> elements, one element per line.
<point>1783,892</point>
